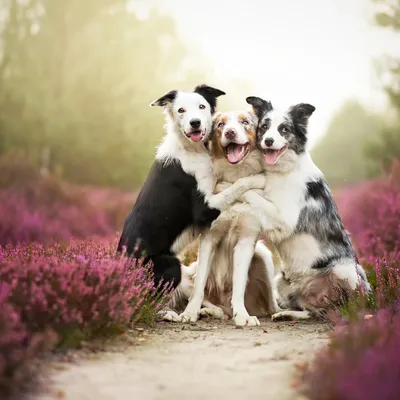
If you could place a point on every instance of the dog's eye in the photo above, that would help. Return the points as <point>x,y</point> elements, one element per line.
<point>221,124</point>
<point>202,106</point>
<point>264,127</point>
<point>284,130</point>
<point>245,122</point>
<point>181,110</point>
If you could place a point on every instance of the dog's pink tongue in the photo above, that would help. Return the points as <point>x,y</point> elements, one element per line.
<point>270,156</point>
<point>196,136</point>
<point>234,153</point>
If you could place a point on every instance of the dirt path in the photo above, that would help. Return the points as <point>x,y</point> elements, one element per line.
<point>210,360</point>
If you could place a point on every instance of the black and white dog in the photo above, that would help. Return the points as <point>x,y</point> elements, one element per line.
<point>298,212</point>
<point>176,202</point>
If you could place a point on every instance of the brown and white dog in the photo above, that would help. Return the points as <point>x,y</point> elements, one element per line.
<point>234,270</point>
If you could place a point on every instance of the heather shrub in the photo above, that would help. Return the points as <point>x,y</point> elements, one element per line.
<point>362,360</point>
<point>384,278</point>
<point>17,346</point>
<point>42,209</point>
<point>58,295</point>
<point>80,291</point>
<point>361,363</point>
<point>371,213</point>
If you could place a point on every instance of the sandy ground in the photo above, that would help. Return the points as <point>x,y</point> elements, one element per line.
<point>207,360</point>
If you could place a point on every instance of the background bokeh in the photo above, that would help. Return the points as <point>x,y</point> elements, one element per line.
<point>76,78</point>
<point>77,137</point>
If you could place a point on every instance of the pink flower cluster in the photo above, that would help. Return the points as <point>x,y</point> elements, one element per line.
<point>362,361</point>
<point>78,291</point>
<point>43,209</point>
<point>371,213</point>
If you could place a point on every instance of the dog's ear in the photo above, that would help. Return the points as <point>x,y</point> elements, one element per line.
<point>216,116</point>
<point>210,94</point>
<point>301,111</point>
<point>163,101</point>
<point>260,106</point>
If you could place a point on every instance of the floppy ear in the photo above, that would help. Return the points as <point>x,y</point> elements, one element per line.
<point>260,106</point>
<point>210,94</point>
<point>216,116</point>
<point>301,111</point>
<point>163,101</point>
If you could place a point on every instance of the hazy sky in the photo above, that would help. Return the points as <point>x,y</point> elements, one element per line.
<point>315,51</point>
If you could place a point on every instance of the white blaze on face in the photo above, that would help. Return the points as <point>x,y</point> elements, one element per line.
<point>233,123</point>
<point>192,113</point>
<point>273,142</point>
<point>234,139</point>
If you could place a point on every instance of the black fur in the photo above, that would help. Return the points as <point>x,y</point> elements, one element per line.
<point>320,218</point>
<point>260,106</point>
<point>168,203</point>
<point>295,122</point>
<point>165,99</point>
<point>210,94</point>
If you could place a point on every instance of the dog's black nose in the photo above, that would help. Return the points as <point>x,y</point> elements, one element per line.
<point>269,142</point>
<point>195,123</point>
<point>230,133</point>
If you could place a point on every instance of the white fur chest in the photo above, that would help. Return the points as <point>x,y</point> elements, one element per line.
<point>200,166</point>
<point>194,160</point>
<point>288,192</point>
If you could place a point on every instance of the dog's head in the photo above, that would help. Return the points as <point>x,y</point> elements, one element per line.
<point>191,112</point>
<point>281,133</point>
<point>234,135</point>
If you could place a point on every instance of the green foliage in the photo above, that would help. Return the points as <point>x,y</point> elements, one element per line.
<point>76,79</point>
<point>381,152</point>
<point>339,153</point>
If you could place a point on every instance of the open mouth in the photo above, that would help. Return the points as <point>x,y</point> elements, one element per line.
<point>196,136</point>
<point>271,156</point>
<point>236,152</point>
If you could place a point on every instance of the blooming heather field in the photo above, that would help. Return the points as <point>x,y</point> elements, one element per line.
<point>61,284</point>
<point>362,361</point>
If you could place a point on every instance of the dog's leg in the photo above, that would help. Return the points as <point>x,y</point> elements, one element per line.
<point>192,310</point>
<point>242,256</point>
<point>291,314</point>
<point>211,310</point>
<point>266,255</point>
<point>228,196</point>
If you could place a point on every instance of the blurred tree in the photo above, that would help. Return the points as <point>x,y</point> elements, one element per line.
<point>76,78</point>
<point>381,152</point>
<point>339,152</point>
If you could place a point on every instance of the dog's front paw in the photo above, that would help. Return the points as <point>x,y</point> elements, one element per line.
<point>282,316</point>
<point>168,315</point>
<point>188,317</point>
<point>246,320</point>
<point>289,315</point>
<point>212,312</point>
